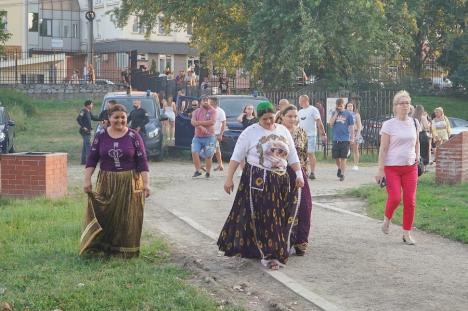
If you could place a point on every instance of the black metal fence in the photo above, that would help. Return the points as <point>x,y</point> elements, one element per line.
<point>60,68</point>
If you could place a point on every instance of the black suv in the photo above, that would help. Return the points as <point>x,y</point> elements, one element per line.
<point>153,137</point>
<point>7,131</point>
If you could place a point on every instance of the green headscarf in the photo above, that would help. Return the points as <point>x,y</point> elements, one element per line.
<point>264,107</point>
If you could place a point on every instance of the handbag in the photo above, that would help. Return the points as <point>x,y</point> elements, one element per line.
<point>420,164</point>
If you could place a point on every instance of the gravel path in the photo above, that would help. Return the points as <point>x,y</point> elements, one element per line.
<point>350,263</point>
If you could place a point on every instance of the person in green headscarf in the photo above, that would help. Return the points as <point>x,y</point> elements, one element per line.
<point>264,210</point>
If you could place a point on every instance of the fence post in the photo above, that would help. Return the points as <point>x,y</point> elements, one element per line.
<point>16,67</point>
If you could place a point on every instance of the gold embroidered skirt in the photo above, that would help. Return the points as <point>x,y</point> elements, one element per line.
<point>114,216</point>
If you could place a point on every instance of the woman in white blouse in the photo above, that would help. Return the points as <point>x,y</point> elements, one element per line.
<point>264,210</point>
<point>398,158</point>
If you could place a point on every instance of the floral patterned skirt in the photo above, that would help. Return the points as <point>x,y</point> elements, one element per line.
<point>301,228</point>
<point>260,222</point>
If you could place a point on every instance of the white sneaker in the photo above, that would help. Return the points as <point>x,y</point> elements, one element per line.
<point>355,168</point>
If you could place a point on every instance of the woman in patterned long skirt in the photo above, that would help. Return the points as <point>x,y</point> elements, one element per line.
<point>300,235</point>
<point>114,215</point>
<point>260,222</point>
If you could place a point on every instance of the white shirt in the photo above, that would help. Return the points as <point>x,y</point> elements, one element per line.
<point>261,146</point>
<point>307,120</point>
<point>402,146</point>
<point>220,118</point>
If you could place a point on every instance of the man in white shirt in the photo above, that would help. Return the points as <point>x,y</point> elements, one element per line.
<point>219,128</point>
<point>309,120</point>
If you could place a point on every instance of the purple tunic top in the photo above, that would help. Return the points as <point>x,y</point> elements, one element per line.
<point>122,154</point>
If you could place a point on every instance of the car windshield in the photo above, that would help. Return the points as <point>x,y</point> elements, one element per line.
<point>146,103</point>
<point>233,106</point>
<point>459,122</point>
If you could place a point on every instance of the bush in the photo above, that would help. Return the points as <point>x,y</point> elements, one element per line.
<point>19,116</point>
<point>10,98</point>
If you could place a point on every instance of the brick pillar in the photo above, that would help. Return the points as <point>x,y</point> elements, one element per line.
<point>28,174</point>
<point>452,160</point>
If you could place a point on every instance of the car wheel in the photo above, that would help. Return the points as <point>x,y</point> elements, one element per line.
<point>159,157</point>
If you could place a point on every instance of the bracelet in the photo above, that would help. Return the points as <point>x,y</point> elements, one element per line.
<point>299,174</point>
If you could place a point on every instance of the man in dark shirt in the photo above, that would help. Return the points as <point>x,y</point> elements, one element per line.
<point>84,120</point>
<point>138,117</point>
<point>104,115</point>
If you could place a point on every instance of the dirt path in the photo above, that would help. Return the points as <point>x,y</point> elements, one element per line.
<point>351,265</point>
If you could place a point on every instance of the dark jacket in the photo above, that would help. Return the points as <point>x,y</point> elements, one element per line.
<point>138,119</point>
<point>84,120</point>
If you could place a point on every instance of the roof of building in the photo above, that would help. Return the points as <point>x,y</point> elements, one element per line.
<point>144,46</point>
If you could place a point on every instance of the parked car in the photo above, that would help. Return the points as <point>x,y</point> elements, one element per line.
<point>371,130</point>
<point>441,83</point>
<point>153,137</point>
<point>232,106</point>
<point>7,131</point>
<point>104,82</point>
<point>458,125</point>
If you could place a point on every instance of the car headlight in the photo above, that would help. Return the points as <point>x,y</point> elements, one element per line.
<point>2,136</point>
<point>153,133</point>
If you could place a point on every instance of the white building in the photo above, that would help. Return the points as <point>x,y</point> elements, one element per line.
<point>112,44</point>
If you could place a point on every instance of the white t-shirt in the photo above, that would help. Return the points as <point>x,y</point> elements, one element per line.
<point>268,149</point>
<point>307,120</point>
<point>220,117</point>
<point>401,150</point>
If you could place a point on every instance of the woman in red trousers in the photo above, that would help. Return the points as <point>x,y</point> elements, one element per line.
<point>398,163</point>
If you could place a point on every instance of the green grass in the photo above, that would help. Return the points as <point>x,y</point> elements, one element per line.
<point>453,107</point>
<point>40,268</point>
<point>53,128</point>
<point>440,209</point>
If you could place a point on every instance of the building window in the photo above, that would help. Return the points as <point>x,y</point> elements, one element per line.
<point>57,28</point>
<point>161,29</point>
<point>98,29</point>
<point>46,28</point>
<point>189,28</point>
<point>137,28</point>
<point>74,33</point>
<point>4,21</point>
<point>33,22</point>
<point>165,61</point>
<point>122,60</point>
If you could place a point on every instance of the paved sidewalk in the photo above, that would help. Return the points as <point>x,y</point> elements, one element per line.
<point>350,263</point>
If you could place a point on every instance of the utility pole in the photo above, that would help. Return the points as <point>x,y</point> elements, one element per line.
<point>90,15</point>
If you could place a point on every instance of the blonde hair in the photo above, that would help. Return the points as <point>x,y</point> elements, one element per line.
<point>401,96</point>
<point>439,109</point>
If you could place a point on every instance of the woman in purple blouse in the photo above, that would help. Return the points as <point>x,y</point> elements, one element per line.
<point>114,215</point>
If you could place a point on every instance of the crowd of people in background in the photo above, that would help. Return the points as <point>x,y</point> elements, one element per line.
<point>271,214</point>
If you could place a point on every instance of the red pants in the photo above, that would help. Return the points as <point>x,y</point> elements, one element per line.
<point>398,178</point>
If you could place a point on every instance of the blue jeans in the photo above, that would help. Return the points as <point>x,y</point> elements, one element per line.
<point>86,147</point>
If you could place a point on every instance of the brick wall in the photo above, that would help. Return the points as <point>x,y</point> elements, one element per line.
<point>452,160</point>
<point>25,175</point>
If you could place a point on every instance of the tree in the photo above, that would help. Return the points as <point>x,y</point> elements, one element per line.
<point>4,35</point>
<point>431,25</point>
<point>276,39</point>
<point>455,58</point>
